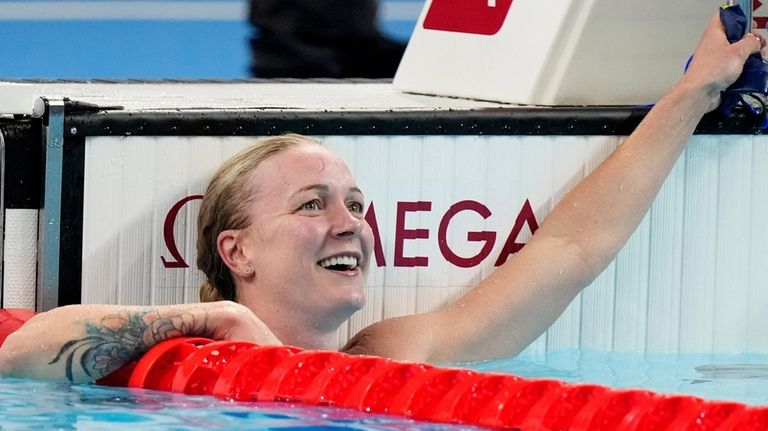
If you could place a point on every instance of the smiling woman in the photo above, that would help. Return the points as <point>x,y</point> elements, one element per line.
<point>311,222</point>
<point>284,242</point>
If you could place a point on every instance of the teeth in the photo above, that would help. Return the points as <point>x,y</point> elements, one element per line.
<point>348,261</point>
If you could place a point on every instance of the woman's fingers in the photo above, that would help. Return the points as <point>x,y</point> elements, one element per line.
<point>762,41</point>
<point>755,41</point>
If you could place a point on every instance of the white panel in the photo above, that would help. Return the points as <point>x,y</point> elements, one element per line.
<point>127,196</point>
<point>665,263</point>
<point>630,296</point>
<point>103,220</point>
<point>168,183</point>
<point>758,251</point>
<point>631,292</point>
<point>136,239</point>
<point>731,296</point>
<point>443,183</point>
<point>459,174</point>
<point>597,311</point>
<point>401,289</point>
<point>699,246</point>
<point>19,258</point>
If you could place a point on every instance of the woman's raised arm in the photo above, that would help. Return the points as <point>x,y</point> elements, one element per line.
<point>578,239</point>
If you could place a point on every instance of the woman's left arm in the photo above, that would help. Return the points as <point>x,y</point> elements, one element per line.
<point>83,343</point>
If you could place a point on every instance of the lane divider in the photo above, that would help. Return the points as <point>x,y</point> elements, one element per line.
<point>242,371</point>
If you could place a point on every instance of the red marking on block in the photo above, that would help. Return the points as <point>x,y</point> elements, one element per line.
<point>484,17</point>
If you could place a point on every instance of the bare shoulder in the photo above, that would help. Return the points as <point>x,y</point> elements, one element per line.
<point>408,338</point>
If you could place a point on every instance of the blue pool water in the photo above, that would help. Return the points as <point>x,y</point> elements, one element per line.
<point>742,377</point>
<point>35,405</point>
<point>38,405</point>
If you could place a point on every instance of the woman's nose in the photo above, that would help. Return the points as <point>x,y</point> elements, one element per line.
<point>346,223</point>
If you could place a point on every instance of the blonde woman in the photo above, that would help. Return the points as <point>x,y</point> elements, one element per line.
<point>285,249</point>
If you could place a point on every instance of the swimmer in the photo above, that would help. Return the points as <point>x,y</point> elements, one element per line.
<point>286,250</point>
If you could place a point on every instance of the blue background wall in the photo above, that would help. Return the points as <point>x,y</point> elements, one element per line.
<point>126,39</point>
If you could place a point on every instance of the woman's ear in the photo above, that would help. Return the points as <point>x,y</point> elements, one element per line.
<point>230,248</point>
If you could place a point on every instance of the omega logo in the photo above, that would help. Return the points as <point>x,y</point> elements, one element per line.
<point>403,233</point>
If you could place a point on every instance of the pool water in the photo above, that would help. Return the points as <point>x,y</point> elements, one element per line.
<point>742,377</point>
<point>27,404</point>
<point>41,405</point>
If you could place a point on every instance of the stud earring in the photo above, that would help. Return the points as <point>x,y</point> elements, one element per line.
<point>246,269</point>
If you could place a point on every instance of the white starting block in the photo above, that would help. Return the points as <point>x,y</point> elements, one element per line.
<point>553,52</point>
<point>17,98</point>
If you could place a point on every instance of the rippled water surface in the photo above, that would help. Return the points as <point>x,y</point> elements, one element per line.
<point>742,377</point>
<point>35,405</point>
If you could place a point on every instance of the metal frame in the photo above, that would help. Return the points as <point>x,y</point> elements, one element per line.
<point>49,231</point>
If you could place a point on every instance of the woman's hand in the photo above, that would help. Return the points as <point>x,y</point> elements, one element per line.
<point>233,321</point>
<point>717,63</point>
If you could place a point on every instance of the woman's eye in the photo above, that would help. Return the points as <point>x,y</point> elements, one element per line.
<point>312,205</point>
<point>355,207</point>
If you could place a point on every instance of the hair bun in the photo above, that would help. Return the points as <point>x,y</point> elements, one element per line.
<point>209,292</point>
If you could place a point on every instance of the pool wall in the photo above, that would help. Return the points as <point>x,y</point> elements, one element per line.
<point>691,279</point>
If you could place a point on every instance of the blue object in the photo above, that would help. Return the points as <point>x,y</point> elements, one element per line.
<point>749,91</point>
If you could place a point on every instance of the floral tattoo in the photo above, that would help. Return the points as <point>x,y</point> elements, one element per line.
<point>124,336</point>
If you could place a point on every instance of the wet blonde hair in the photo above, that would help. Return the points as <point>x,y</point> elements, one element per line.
<point>223,207</point>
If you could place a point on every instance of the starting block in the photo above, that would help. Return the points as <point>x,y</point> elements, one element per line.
<point>555,52</point>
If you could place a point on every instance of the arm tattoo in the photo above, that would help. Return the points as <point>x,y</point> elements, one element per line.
<point>124,336</point>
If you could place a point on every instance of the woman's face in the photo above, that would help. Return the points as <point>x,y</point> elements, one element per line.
<point>308,243</point>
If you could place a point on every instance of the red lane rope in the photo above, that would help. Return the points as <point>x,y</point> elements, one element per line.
<point>243,371</point>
